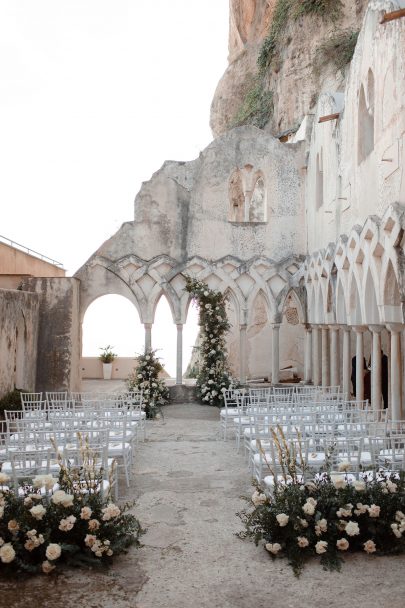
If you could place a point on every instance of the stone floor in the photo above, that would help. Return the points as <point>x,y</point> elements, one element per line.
<point>188,485</point>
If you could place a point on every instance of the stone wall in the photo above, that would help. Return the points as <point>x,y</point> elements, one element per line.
<point>19,317</point>
<point>58,364</point>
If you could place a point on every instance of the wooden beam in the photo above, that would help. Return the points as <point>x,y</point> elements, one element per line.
<point>329,117</point>
<point>394,15</point>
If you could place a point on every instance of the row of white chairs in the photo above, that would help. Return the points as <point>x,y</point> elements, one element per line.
<point>322,434</point>
<point>111,426</point>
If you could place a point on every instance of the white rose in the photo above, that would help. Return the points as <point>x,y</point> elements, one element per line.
<point>53,551</point>
<point>7,553</point>
<point>399,516</point>
<point>273,548</point>
<point>392,487</point>
<point>302,541</point>
<point>321,547</point>
<point>47,567</point>
<point>352,528</point>
<point>359,485</point>
<point>61,498</point>
<point>374,511</point>
<point>258,498</point>
<point>309,506</point>
<point>38,511</point>
<point>282,519</point>
<point>85,513</point>
<point>396,530</point>
<point>339,482</point>
<point>342,544</point>
<point>44,481</point>
<point>369,546</point>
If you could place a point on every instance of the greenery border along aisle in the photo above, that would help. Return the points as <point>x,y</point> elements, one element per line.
<point>213,375</point>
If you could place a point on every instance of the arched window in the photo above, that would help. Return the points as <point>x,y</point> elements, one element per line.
<point>257,209</point>
<point>236,198</point>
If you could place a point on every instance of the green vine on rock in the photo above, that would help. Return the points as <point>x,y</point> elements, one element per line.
<point>338,49</point>
<point>214,375</point>
<point>286,10</point>
<point>256,108</point>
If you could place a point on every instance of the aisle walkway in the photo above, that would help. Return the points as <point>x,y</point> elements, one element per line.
<point>189,483</point>
<point>187,486</point>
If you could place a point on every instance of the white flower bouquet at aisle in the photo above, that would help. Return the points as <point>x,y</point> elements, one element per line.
<point>51,522</point>
<point>146,379</point>
<point>328,517</point>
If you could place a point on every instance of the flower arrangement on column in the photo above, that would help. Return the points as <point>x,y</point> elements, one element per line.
<point>146,379</point>
<point>214,375</point>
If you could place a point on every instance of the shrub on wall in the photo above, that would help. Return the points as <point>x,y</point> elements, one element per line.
<point>214,375</point>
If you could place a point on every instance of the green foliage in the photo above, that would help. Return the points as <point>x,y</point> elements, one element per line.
<point>107,355</point>
<point>146,379</point>
<point>327,9</point>
<point>286,10</point>
<point>338,49</point>
<point>11,401</point>
<point>256,108</point>
<point>271,42</point>
<point>214,375</point>
<point>328,517</point>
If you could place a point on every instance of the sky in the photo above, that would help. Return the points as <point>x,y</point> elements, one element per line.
<point>94,96</point>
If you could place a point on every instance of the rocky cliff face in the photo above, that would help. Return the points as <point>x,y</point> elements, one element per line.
<point>298,72</point>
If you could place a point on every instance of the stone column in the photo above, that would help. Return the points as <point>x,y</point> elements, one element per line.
<point>308,355</point>
<point>316,355</point>
<point>376,367</point>
<point>243,353</point>
<point>275,362</point>
<point>395,364</point>
<point>334,355</point>
<point>347,361</point>
<point>325,357</point>
<point>148,336</point>
<point>359,329</point>
<point>179,353</point>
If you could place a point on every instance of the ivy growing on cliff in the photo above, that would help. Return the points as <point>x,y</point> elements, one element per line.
<point>214,375</point>
<point>338,49</point>
<point>286,10</point>
<point>256,108</point>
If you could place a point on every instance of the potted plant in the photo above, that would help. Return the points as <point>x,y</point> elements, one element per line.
<point>107,357</point>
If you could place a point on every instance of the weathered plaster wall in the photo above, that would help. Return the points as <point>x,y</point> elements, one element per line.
<point>15,261</point>
<point>360,155</point>
<point>19,316</point>
<point>184,224</point>
<point>58,364</point>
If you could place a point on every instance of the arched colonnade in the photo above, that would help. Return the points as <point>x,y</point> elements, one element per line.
<point>356,286</point>
<point>145,282</point>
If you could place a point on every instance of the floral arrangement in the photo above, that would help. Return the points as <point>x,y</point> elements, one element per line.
<point>213,376</point>
<point>107,355</point>
<point>329,516</point>
<point>146,379</point>
<point>45,525</point>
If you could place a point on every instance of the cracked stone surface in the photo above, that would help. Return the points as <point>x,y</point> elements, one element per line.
<point>187,486</point>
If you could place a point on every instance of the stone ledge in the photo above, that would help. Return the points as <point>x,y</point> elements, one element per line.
<point>181,393</point>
